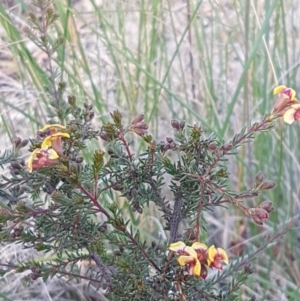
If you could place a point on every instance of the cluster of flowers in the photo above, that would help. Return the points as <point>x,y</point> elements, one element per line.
<point>287,105</point>
<point>51,147</point>
<point>198,257</point>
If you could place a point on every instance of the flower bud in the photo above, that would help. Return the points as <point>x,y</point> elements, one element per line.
<point>175,124</point>
<point>134,206</point>
<point>91,115</point>
<point>248,270</point>
<point>267,185</point>
<point>259,215</point>
<point>102,228</point>
<point>24,143</point>
<point>138,118</point>
<point>259,178</point>
<point>36,270</point>
<point>140,132</point>
<point>104,136</point>
<point>173,144</point>
<point>266,205</point>
<point>166,147</point>
<point>141,125</point>
<point>212,146</point>
<point>16,141</point>
<point>79,159</point>
<point>169,139</point>
<point>15,165</point>
<point>34,276</point>
<point>14,172</point>
<point>182,124</point>
<point>226,147</point>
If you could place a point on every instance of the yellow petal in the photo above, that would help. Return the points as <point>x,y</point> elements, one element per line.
<point>293,94</point>
<point>183,260</point>
<point>288,116</point>
<point>191,252</point>
<point>49,126</point>
<point>296,106</point>
<point>61,134</point>
<point>197,268</point>
<point>177,246</point>
<point>278,89</point>
<point>199,246</point>
<point>223,254</point>
<point>46,143</point>
<point>31,159</point>
<point>212,252</point>
<point>52,154</point>
<point>48,140</point>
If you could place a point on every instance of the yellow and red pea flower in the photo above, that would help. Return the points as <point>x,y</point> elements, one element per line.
<point>198,257</point>
<point>216,256</point>
<point>55,142</point>
<point>50,150</point>
<point>292,114</point>
<point>188,256</point>
<point>41,158</point>
<point>289,92</point>
<point>286,98</point>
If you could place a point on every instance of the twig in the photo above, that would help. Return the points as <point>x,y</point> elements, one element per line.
<point>160,199</point>
<point>122,138</point>
<point>199,209</point>
<point>124,230</point>
<point>176,217</point>
<point>105,270</point>
<point>253,129</point>
<point>140,248</point>
<point>94,199</point>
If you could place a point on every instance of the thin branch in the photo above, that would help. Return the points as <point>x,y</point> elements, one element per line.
<point>133,240</point>
<point>253,129</point>
<point>176,217</point>
<point>94,200</point>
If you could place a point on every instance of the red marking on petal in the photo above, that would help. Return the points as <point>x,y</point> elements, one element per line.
<point>297,115</point>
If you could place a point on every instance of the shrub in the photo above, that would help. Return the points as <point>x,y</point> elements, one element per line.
<point>59,202</point>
